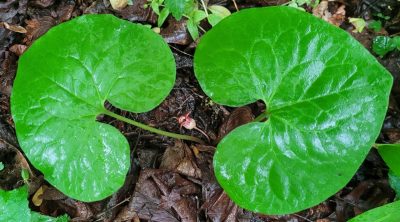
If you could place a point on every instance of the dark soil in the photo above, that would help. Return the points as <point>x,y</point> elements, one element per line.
<point>172,180</point>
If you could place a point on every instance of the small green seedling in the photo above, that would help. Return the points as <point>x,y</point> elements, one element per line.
<point>298,3</point>
<point>25,176</point>
<point>375,25</point>
<point>326,98</point>
<point>62,83</point>
<point>381,45</point>
<point>190,10</point>
<point>14,205</point>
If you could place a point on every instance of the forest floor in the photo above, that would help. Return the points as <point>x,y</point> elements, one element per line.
<point>171,180</point>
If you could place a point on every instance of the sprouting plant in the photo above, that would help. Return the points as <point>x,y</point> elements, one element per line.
<point>298,3</point>
<point>325,96</point>
<point>188,9</point>
<point>375,25</point>
<point>62,83</point>
<point>382,45</point>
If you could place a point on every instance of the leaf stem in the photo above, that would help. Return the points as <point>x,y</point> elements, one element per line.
<point>152,129</point>
<point>262,116</point>
<point>204,7</point>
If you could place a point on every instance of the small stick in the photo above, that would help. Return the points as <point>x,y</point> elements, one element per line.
<point>236,7</point>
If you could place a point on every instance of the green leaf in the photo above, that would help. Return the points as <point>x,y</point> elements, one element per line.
<point>386,213</point>
<point>37,217</point>
<point>390,153</point>
<point>375,25</point>
<point>179,7</point>
<point>14,204</point>
<point>326,99</point>
<point>219,10</point>
<point>62,83</point>
<point>214,19</point>
<point>25,174</point>
<point>358,23</point>
<point>162,17</point>
<point>192,28</point>
<point>1,166</point>
<point>198,15</point>
<point>394,182</point>
<point>381,45</point>
<point>395,41</point>
<point>155,6</point>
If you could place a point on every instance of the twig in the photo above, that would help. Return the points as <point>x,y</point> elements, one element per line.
<point>236,7</point>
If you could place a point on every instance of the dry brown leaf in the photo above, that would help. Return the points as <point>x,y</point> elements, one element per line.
<point>18,49</point>
<point>42,3</point>
<point>37,198</point>
<point>118,4</point>
<point>238,117</point>
<point>37,27</point>
<point>181,159</point>
<point>162,195</point>
<point>322,11</point>
<point>14,28</point>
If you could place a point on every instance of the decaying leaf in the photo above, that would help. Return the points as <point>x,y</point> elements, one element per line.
<point>161,195</point>
<point>14,28</point>
<point>18,49</point>
<point>180,158</point>
<point>37,198</point>
<point>336,18</point>
<point>238,117</point>
<point>118,4</point>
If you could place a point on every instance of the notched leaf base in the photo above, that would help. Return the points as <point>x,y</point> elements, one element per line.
<point>326,97</point>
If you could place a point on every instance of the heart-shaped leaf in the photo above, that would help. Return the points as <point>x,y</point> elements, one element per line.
<point>62,82</point>
<point>326,98</point>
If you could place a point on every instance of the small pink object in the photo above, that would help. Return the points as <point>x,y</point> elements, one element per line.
<point>189,123</point>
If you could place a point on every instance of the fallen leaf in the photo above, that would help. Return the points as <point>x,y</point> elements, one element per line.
<point>162,195</point>
<point>37,198</point>
<point>14,28</point>
<point>322,11</point>
<point>180,158</point>
<point>176,33</point>
<point>37,27</point>
<point>42,3</point>
<point>118,4</point>
<point>18,49</point>
<point>238,117</point>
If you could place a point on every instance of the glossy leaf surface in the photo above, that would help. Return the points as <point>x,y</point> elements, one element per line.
<point>390,153</point>
<point>326,98</point>
<point>386,213</point>
<point>14,205</point>
<point>62,82</point>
